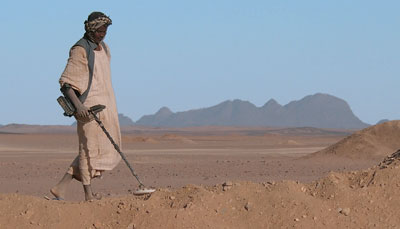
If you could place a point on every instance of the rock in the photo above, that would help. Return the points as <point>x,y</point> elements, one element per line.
<point>345,211</point>
<point>131,226</point>
<point>97,225</point>
<point>247,206</point>
<point>188,205</point>
<point>227,185</point>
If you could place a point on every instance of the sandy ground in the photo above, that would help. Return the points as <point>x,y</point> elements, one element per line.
<point>208,177</point>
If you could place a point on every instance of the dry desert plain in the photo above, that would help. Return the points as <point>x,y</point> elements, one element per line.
<point>209,177</point>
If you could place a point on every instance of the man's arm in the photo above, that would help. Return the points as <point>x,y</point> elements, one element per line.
<point>81,110</point>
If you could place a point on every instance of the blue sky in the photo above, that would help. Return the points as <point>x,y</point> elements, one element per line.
<point>195,54</point>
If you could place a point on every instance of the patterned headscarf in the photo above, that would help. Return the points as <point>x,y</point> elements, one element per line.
<point>96,20</point>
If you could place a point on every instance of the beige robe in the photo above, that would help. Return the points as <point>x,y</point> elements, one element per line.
<point>96,153</point>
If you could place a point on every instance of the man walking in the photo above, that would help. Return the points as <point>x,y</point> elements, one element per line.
<point>86,81</point>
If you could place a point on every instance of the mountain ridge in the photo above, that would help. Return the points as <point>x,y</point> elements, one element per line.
<point>318,110</point>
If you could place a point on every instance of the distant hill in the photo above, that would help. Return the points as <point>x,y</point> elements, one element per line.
<point>125,120</point>
<point>376,141</point>
<point>318,110</point>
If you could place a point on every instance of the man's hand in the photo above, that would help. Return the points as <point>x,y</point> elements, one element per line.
<point>82,113</point>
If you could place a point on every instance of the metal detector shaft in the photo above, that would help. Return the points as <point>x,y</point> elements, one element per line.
<point>117,148</point>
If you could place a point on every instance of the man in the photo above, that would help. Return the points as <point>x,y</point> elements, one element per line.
<point>86,81</point>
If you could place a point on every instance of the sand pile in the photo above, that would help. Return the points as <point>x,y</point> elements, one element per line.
<point>290,142</point>
<point>177,138</point>
<point>359,199</point>
<point>138,139</point>
<point>374,142</point>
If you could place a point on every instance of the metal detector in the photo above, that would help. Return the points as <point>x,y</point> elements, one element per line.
<point>141,190</point>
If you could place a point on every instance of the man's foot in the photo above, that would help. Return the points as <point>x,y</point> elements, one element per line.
<point>97,196</point>
<point>89,195</point>
<point>57,193</point>
<point>93,197</point>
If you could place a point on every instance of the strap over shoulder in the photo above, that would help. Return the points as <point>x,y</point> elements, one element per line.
<point>89,46</point>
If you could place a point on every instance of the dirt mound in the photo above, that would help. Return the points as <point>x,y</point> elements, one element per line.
<point>177,138</point>
<point>373,142</point>
<point>139,139</point>
<point>359,199</point>
<point>292,142</point>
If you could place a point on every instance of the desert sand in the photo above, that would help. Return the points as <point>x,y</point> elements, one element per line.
<point>209,177</point>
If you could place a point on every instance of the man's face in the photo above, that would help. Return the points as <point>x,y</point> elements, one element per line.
<point>100,34</point>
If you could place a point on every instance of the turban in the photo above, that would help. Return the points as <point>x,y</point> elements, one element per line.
<point>95,21</point>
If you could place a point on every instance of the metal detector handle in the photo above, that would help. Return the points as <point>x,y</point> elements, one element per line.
<point>114,144</point>
<point>96,109</point>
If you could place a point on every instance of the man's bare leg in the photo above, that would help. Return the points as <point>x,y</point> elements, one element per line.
<point>59,190</point>
<point>89,195</point>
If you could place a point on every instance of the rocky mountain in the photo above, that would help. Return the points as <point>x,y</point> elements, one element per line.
<point>318,110</point>
<point>125,120</point>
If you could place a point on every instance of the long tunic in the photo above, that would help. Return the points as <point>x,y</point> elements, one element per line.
<point>93,143</point>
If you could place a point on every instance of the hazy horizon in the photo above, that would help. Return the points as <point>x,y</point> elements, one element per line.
<point>200,108</point>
